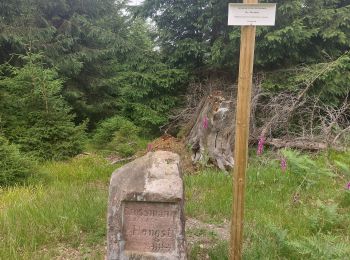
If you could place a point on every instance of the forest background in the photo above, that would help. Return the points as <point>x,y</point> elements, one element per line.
<point>72,69</point>
<point>86,80</point>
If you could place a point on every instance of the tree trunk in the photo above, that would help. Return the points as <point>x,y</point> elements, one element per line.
<point>211,137</point>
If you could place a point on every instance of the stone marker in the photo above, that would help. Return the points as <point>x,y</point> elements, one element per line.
<point>145,211</point>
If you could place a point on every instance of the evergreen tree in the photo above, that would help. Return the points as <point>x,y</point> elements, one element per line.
<point>106,58</point>
<point>310,37</point>
<point>306,31</point>
<point>14,166</point>
<point>147,88</point>
<point>33,113</point>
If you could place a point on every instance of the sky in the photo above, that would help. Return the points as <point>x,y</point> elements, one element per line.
<point>135,2</point>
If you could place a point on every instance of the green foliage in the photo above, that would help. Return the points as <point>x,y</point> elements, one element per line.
<point>81,38</point>
<point>271,248</point>
<point>215,202</point>
<point>34,114</point>
<point>307,46</point>
<point>126,141</point>
<point>275,227</point>
<point>326,218</point>
<point>106,57</point>
<point>147,88</point>
<point>199,35</point>
<point>345,171</point>
<point>78,170</point>
<point>320,247</point>
<point>186,35</point>
<point>115,63</point>
<point>106,129</point>
<point>345,168</point>
<point>219,252</point>
<point>328,80</point>
<point>194,253</point>
<point>62,211</point>
<point>118,134</point>
<point>309,30</point>
<point>306,171</point>
<point>345,201</point>
<point>14,166</point>
<point>146,97</point>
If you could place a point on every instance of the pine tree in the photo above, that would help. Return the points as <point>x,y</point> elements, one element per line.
<point>33,113</point>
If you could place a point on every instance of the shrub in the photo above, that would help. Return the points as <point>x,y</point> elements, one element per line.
<point>105,131</point>
<point>14,167</point>
<point>118,134</point>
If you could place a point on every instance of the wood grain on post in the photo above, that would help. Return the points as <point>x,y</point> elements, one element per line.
<point>242,135</point>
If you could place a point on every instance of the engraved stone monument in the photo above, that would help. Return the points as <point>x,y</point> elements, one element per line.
<point>145,211</point>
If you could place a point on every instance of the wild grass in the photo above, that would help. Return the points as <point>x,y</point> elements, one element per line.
<point>297,214</point>
<point>61,210</point>
<point>303,212</point>
<point>208,195</point>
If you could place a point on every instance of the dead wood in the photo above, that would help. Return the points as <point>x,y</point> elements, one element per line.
<point>284,119</point>
<point>301,144</point>
<point>212,133</point>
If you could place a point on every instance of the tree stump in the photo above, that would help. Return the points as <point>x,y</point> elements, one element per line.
<point>211,137</point>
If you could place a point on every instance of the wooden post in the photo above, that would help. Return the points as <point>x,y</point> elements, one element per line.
<point>242,135</point>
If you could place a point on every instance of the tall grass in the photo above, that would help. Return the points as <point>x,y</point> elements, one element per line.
<point>288,215</point>
<point>208,195</point>
<point>297,214</point>
<point>64,206</point>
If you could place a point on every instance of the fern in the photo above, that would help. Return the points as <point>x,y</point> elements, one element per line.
<point>306,170</point>
<point>326,218</point>
<point>320,247</point>
<point>344,167</point>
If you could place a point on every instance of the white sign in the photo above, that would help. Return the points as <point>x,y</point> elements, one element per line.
<point>252,14</point>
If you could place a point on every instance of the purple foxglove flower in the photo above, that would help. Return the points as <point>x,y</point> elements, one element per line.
<point>261,145</point>
<point>205,122</point>
<point>348,186</point>
<point>283,164</point>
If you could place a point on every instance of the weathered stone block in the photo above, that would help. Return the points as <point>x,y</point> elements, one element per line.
<point>145,211</point>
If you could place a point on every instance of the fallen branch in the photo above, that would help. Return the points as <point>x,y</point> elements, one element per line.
<point>301,144</point>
